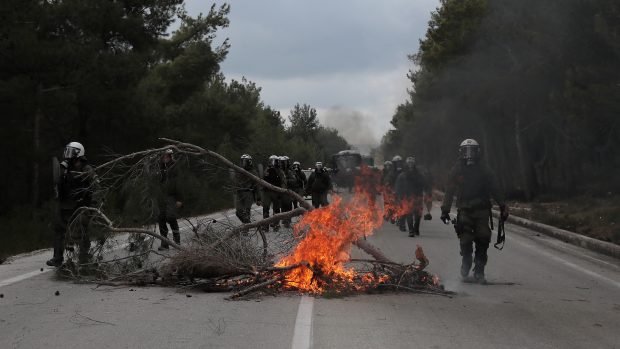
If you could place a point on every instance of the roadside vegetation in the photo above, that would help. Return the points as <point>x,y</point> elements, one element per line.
<point>536,83</point>
<point>111,75</point>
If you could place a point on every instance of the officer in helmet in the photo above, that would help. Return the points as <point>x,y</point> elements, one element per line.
<point>75,189</point>
<point>291,183</point>
<point>474,186</point>
<point>397,162</point>
<point>388,196</point>
<point>246,190</point>
<point>301,181</point>
<point>412,186</point>
<point>319,184</point>
<point>168,198</point>
<point>271,199</point>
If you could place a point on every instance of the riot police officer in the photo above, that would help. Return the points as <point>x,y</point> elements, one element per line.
<point>271,199</point>
<point>388,190</point>
<point>291,183</point>
<point>319,184</point>
<point>246,190</point>
<point>75,189</point>
<point>168,197</point>
<point>301,182</point>
<point>412,185</point>
<point>475,186</point>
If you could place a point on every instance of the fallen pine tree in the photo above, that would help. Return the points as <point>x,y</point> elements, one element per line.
<point>222,256</point>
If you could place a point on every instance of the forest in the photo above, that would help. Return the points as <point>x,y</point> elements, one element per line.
<point>537,84</point>
<point>116,76</point>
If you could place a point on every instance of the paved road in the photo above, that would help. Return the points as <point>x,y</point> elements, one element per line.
<point>546,295</point>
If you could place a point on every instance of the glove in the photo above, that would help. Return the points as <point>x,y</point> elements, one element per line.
<point>503,212</point>
<point>428,217</point>
<point>445,217</point>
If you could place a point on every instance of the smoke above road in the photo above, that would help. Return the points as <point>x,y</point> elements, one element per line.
<point>356,127</point>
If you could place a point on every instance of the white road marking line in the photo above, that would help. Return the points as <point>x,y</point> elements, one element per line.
<point>302,336</point>
<point>26,276</point>
<point>19,278</point>
<point>569,264</point>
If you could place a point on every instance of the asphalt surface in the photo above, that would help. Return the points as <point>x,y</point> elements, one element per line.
<point>542,294</point>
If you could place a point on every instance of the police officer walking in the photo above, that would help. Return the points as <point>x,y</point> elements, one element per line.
<point>388,191</point>
<point>319,184</point>
<point>168,198</point>
<point>301,181</point>
<point>246,190</point>
<point>412,185</point>
<point>475,186</point>
<point>271,199</point>
<point>75,188</point>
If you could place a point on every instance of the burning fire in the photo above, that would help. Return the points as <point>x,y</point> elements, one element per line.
<point>329,233</point>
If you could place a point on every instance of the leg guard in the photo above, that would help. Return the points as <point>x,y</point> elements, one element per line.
<point>466,261</point>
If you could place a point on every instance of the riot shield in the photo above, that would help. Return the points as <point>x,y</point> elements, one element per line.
<point>56,173</point>
<point>260,171</point>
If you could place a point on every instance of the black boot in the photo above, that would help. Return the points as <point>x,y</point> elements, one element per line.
<point>54,262</point>
<point>416,225</point>
<point>466,260</point>
<point>164,245</point>
<point>176,236</point>
<point>479,274</point>
<point>480,260</point>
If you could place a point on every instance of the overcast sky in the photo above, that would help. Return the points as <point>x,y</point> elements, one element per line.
<point>346,58</point>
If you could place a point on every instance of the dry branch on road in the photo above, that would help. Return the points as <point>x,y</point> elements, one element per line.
<point>224,256</point>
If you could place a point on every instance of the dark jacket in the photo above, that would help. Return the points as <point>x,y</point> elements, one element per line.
<point>292,180</point>
<point>302,181</point>
<point>169,182</point>
<point>411,183</point>
<point>319,182</point>
<point>76,186</point>
<point>245,183</point>
<point>474,187</point>
<point>275,176</point>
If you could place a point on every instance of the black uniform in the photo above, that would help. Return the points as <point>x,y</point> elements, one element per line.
<point>412,185</point>
<point>474,185</point>
<point>319,184</point>
<point>273,176</point>
<point>75,189</point>
<point>167,196</point>
<point>246,193</point>
<point>302,183</point>
<point>292,183</point>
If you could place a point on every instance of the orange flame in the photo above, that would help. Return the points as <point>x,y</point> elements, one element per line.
<point>329,233</point>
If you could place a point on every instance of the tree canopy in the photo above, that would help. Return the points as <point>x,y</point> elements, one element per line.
<point>535,82</point>
<point>111,75</point>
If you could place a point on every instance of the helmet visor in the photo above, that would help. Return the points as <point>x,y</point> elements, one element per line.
<point>469,152</point>
<point>71,152</point>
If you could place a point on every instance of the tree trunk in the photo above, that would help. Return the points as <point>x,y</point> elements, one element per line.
<point>36,142</point>
<point>521,158</point>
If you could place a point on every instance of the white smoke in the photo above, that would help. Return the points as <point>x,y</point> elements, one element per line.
<point>354,126</point>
